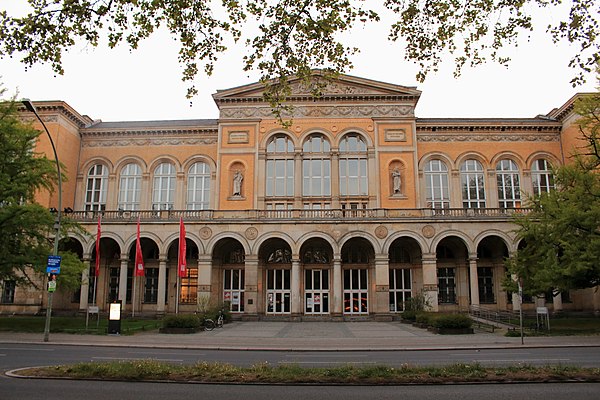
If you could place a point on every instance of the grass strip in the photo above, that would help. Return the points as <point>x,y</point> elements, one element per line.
<point>145,370</point>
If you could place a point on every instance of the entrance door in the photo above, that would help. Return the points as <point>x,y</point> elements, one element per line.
<point>316,291</point>
<point>356,292</point>
<point>233,289</point>
<point>278,291</point>
<point>400,288</point>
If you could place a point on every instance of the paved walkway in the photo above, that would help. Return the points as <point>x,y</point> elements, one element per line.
<point>306,336</point>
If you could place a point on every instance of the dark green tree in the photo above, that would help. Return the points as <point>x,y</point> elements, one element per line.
<point>27,228</point>
<point>561,235</point>
<point>291,37</point>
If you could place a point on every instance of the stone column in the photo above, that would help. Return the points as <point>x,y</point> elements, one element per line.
<point>298,180</point>
<point>260,172</point>
<point>180,194</point>
<point>161,298</point>
<point>337,292</point>
<point>204,280</point>
<point>430,281</point>
<point>123,280</point>
<point>335,179</point>
<point>372,182</point>
<point>296,305</point>
<point>473,279</point>
<point>491,189</point>
<point>112,199</point>
<point>382,287</point>
<point>455,189</point>
<point>146,192</point>
<point>85,285</point>
<point>251,287</point>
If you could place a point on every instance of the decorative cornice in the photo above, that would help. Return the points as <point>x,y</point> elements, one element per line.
<point>61,108</point>
<point>147,141</point>
<point>322,111</point>
<point>466,137</point>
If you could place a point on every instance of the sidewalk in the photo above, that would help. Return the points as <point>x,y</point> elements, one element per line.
<point>307,336</point>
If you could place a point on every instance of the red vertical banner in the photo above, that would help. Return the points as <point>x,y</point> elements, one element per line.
<point>99,234</point>
<point>182,263</point>
<point>139,259</point>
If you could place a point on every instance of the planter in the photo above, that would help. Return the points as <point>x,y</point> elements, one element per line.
<point>178,330</point>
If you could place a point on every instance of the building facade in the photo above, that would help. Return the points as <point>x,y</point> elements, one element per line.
<point>354,207</point>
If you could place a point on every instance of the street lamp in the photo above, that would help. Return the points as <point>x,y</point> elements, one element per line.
<point>30,107</point>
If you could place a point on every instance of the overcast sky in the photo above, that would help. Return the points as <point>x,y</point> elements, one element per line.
<point>145,84</point>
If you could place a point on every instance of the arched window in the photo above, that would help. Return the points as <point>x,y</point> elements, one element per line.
<point>198,187</point>
<point>472,183</point>
<point>316,167</point>
<point>542,178</point>
<point>95,194</point>
<point>509,189</point>
<point>354,178</point>
<point>163,195</point>
<point>280,171</point>
<point>436,184</point>
<point>130,187</point>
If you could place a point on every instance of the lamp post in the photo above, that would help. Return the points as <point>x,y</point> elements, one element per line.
<point>30,107</point>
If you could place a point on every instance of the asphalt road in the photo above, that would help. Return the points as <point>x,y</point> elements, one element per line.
<point>42,389</point>
<point>24,355</point>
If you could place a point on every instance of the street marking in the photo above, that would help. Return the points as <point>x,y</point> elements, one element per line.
<point>327,362</point>
<point>24,349</point>
<point>526,360</point>
<point>160,353</point>
<point>327,355</point>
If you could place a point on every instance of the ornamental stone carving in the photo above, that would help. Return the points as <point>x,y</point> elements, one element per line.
<point>205,233</point>
<point>381,232</point>
<point>428,231</point>
<point>322,111</point>
<point>251,233</point>
<point>488,138</point>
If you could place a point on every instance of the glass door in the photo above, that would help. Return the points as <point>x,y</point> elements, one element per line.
<point>356,292</point>
<point>233,289</point>
<point>316,291</point>
<point>278,291</point>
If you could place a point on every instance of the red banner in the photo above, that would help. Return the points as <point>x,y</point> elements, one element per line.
<point>139,258</point>
<point>98,246</point>
<point>182,263</point>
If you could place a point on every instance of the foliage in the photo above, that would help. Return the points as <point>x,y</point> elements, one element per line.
<point>181,321</point>
<point>26,228</point>
<point>560,245</point>
<point>292,374</point>
<point>451,321</point>
<point>75,325</point>
<point>293,37</point>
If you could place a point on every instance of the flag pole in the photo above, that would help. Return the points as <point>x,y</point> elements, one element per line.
<point>177,295</point>
<point>133,297</point>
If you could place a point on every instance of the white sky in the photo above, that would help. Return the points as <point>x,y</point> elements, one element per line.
<point>145,84</point>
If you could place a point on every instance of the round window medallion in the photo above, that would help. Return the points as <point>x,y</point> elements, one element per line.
<point>205,233</point>
<point>428,231</point>
<point>251,233</point>
<point>381,232</point>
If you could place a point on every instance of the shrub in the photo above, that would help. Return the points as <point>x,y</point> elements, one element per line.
<point>409,315</point>
<point>424,318</point>
<point>452,321</point>
<point>181,321</point>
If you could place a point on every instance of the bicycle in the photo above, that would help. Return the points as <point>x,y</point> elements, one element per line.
<point>207,324</point>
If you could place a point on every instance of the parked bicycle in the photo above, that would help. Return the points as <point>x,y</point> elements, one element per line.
<point>208,324</point>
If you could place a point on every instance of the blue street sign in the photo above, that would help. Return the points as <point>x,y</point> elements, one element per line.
<point>53,266</point>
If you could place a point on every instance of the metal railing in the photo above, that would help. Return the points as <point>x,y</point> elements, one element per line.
<point>496,317</point>
<point>296,214</point>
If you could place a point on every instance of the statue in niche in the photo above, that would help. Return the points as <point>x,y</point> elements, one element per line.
<point>396,181</point>
<point>237,183</point>
<point>236,257</point>
<point>280,256</point>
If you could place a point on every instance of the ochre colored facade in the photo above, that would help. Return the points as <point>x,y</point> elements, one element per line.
<point>352,209</point>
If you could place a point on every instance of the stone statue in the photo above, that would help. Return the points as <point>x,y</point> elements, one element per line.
<point>237,183</point>
<point>397,180</point>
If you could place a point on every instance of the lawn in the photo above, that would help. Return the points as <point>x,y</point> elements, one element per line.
<point>35,324</point>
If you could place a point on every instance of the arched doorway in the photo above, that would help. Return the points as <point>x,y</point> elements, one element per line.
<point>316,256</point>
<point>357,259</point>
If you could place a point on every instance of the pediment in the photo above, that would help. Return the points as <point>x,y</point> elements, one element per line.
<point>342,86</point>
